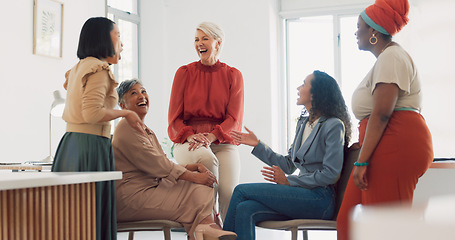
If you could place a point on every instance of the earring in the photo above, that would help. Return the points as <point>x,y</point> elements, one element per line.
<point>373,39</point>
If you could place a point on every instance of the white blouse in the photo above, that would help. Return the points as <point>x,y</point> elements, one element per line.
<point>394,65</point>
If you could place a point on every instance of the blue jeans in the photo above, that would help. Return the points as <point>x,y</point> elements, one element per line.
<point>257,202</point>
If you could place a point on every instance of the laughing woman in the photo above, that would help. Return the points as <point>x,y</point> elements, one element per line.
<point>317,152</point>
<point>153,187</point>
<point>90,102</point>
<point>206,105</point>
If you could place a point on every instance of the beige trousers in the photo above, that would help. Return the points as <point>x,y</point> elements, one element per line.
<point>223,160</point>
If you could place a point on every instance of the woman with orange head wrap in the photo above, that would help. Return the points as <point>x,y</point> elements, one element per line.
<point>396,146</point>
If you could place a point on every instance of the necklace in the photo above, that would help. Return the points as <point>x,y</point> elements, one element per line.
<point>311,124</point>
<point>386,46</point>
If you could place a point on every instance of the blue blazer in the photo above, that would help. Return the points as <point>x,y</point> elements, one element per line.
<point>319,159</point>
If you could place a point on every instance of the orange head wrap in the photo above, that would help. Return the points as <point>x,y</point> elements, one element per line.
<point>387,16</point>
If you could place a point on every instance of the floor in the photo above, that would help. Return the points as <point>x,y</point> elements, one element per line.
<point>260,234</point>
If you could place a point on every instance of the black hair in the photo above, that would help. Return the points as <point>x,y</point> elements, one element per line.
<point>95,39</point>
<point>328,101</point>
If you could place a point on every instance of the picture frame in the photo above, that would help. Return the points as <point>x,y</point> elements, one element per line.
<point>48,28</point>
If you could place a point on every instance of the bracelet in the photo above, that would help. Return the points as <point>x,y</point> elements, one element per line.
<point>357,164</point>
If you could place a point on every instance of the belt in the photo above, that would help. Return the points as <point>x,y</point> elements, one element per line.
<point>406,109</point>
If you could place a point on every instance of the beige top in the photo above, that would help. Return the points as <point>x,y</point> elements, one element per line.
<point>90,87</point>
<point>394,65</point>
<point>308,129</point>
<point>150,188</point>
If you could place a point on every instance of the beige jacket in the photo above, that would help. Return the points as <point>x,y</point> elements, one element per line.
<point>90,87</point>
<point>150,187</point>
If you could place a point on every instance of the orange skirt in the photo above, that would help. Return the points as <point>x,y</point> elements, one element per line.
<point>403,154</point>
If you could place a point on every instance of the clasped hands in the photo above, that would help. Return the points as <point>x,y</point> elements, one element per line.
<point>200,140</point>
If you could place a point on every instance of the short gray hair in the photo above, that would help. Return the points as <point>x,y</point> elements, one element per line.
<point>125,86</point>
<point>215,32</point>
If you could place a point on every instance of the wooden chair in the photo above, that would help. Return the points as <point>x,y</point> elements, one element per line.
<point>318,224</point>
<point>148,225</point>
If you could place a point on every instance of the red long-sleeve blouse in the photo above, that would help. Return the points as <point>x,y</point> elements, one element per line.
<point>206,99</point>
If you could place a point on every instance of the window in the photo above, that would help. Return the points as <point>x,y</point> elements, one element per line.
<point>125,15</point>
<point>325,43</point>
<point>128,6</point>
<point>421,39</point>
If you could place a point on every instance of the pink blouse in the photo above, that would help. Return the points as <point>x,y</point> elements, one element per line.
<point>206,99</point>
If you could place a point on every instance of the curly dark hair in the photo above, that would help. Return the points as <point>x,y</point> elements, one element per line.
<point>328,101</point>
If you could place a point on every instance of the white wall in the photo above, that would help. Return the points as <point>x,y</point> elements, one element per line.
<point>167,32</point>
<point>435,182</point>
<point>27,81</point>
<point>297,5</point>
<point>251,29</point>
<point>294,8</point>
<point>427,40</point>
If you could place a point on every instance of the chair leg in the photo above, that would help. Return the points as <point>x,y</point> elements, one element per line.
<point>167,233</point>
<point>130,235</point>
<point>294,233</point>
<point>305,234</point>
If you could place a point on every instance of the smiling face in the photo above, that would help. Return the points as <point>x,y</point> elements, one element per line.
<point>137,100</point>
<point>305,96</point>
<point>206,47</point>
<point>118,46</point>
<point>363,34</point>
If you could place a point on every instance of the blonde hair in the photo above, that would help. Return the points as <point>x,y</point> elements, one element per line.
<point>215,32</point>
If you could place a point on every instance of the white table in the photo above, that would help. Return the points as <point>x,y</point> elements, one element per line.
<point>48,205</point>
<point>439,180</point>
<point>435,220</point>
<point>432,215</point>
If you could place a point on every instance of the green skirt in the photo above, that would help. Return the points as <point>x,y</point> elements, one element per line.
<point>80,152</point>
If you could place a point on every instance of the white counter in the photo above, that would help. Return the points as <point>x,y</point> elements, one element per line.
<point>434,220</point>
<point>431,217</point>
<point>18,180</point>
<point>437,181</point>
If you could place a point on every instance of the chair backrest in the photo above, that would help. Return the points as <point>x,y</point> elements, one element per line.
<point>350,156</point>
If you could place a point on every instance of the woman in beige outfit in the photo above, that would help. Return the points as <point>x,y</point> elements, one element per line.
<point>89,108</point>
<point>154,187</point>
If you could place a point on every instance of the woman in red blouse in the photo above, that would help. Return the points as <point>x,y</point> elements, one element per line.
<point>206,105</point>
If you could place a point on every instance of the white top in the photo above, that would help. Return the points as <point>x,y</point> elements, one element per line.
<point>307,130</point>
<point>18,180</point>
<point>394,65</point>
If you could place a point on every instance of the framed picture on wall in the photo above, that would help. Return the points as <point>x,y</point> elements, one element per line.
<point>48,28</point>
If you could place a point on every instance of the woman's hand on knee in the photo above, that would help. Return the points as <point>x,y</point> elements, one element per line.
<point>200,174</point>
<point>197,167</point>
<point>201,168</point>
<point>206,178</point>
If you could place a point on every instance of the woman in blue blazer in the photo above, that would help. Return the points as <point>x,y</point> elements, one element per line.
<point>317,152</point>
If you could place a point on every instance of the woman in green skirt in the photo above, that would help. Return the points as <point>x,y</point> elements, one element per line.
<point>90,102</point>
